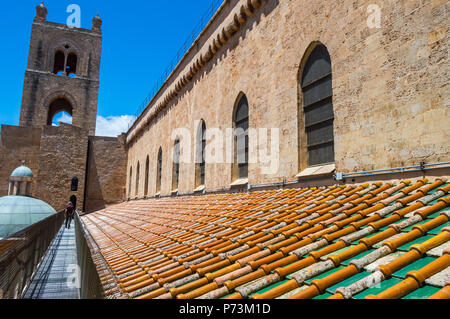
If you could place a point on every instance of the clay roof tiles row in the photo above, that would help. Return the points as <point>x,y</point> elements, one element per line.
<point>354,241</point>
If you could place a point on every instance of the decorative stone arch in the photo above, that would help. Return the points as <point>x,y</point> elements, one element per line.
<point>306,119</point>
<point>305,58</point>
<point>67,47</point>
<point>236,103</point>
<point>60,101</point>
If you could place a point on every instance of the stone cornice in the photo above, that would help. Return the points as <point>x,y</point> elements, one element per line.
<point>232,23</point>
<point>66,77</point>
<point>63,27</point>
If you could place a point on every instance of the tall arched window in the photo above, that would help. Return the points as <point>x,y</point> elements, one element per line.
<point>159,171</point>
<point>57,106</point>
<point>60,60</point>
<point>71,67</point>
<point>129,182</point>
<point>241,124</point>
<point>318,106</point>
<point>200,162</point>
<point>137,180</point>
<point>176,164</point>
<point>147,164</point>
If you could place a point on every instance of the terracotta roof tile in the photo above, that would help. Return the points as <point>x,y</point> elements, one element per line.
<point>354,241</point>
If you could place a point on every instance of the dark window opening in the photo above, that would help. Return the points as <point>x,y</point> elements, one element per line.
<point>318,107</point>
<point>58,66</point>
<point>159,172</point>
<point>130,183</point>
<point>74,184</point>
<point>200,161</point>
<point>176,165</point>
<point>137,180</point>
<point>241,123</point>
<point>71,67</point>
<point>147,164</point>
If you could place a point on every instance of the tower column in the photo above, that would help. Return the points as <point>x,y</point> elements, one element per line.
<point>11,188</point>
<point>27,189</point>
<point>16,188</point>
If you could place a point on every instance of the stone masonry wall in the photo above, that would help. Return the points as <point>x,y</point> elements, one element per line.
<point>390,88</point>
<point>18,144</point>
<point>63,154</point>
<point>107,166</point>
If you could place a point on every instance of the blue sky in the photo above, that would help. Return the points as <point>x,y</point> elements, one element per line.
<point>140,38</point>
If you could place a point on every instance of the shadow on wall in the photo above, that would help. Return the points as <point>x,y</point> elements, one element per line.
<point>105,173</point>
<point>94,195</point>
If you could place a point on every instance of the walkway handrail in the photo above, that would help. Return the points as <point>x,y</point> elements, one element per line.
<point>21,254</point>
<point>90,283</point>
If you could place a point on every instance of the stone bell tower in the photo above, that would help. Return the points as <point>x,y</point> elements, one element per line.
<point>62,73</point>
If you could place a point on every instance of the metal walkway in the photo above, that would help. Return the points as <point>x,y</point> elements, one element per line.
<point>55,278</point>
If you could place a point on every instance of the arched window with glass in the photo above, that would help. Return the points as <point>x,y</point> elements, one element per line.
<point>241,142</point>
<point>200,163</point>
<point>159,171</point>
<point>316,84</point>
<point>176,165</point>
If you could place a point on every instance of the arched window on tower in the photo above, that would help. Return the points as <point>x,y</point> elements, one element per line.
<point>159,171</point>
<point>241,125</point>
<point>71,67</point>
<point>137,179</point>
<point>316,83</point>
<point>59,110</point>
<point>147,164</point>
<point>176,165</point>
<point>58,66</point>
<point>200,162</point>
<point>74,184</point>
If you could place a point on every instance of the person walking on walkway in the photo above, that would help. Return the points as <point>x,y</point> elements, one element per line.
<point>70,210</point>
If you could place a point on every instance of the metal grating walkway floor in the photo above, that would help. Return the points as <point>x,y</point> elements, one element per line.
<point>55,278</point>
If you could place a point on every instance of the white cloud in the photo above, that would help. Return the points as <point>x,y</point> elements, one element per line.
<point>63,118</point>
<point>113,126</point>
<point>110,126</point>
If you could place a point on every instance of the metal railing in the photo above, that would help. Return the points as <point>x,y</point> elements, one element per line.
<point>90,284</point>
<point>197,30</point>
<point>21,254</point>
<point>423,167</point>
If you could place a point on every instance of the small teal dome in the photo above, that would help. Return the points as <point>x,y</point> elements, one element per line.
<point>22,171</point>
<point>19,212</point>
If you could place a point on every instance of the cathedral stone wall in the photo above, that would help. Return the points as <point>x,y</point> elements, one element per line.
<point>62,156</point>
<point>390,87</point>
<point>107,163</point>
